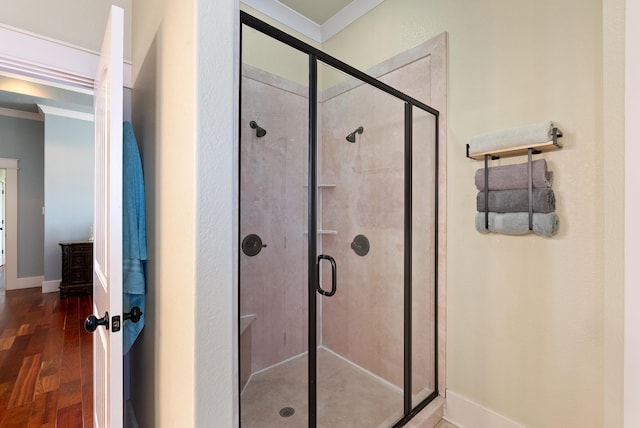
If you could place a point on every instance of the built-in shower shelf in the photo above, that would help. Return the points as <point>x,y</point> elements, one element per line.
<point>323,186</point>
<point>324,232</point>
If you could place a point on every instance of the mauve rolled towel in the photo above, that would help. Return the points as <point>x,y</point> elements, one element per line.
<point>517,200</point>
<point>515,176</point>
<point>518,223</point>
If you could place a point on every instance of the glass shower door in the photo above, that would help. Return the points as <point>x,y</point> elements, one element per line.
<point>273,220</point>
<point>338,233</point>
<point>361,222</point>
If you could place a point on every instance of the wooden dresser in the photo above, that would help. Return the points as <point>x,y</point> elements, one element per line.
<point>77,268</point>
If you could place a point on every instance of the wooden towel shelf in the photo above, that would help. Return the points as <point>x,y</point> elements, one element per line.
<point>546,146</point>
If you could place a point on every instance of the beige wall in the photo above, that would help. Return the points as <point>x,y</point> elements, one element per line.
<point>185,99</point>
<point>80,23</point>
<point>163,361</point>
<point>526,315</point>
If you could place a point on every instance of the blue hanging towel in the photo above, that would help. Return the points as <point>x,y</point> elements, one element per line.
<point>134,242</point>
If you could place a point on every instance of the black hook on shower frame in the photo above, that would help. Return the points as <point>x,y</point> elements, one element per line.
<point>260,132</point>
<point>352,137</point>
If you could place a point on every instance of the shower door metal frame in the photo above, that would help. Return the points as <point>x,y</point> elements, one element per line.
<point>315,55</point>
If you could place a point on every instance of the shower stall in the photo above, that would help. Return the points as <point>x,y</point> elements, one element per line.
<point>338,236</point>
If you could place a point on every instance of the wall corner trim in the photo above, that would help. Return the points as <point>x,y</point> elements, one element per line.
<point>467,414</point>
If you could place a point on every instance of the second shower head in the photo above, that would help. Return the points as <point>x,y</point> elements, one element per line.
<point>260,132</point>
<point>352,137</point>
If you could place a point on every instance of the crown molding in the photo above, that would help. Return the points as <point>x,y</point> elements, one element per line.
<point>8,112</point>
<point>346,16</point>
<point>300,23</point>
<point>72,114</point>
<point>287,16</point>
<point>40,57</point>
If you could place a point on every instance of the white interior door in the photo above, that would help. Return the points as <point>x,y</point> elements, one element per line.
<point>107,277</point>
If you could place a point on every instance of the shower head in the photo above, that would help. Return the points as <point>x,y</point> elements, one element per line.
<point>260,132</point>
<point>352,137</point>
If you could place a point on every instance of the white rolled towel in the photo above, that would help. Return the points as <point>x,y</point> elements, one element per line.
<point>514,137</point>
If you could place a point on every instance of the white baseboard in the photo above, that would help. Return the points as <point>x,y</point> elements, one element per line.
<point>465,413</point>
<point>30,282</point>
<point>50,286</point>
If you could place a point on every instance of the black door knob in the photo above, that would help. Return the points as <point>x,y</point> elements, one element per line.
<point>92,323</point>
<point>134,315</point>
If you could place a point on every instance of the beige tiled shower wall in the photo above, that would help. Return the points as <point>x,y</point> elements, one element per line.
<point>364,321</point>
<point>274,206</point>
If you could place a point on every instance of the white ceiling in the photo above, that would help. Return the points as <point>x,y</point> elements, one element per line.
<point>317,19</point>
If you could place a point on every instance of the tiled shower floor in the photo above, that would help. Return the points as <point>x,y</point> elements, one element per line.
<point>347,396</point>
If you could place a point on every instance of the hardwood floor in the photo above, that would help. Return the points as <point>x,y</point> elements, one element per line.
<point>46,360</point>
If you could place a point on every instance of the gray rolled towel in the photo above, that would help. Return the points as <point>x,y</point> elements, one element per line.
<point>515,176</point>
<point>517,200</point>
<point>518,223</point>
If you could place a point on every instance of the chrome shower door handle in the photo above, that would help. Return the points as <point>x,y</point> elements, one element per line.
<point>334,275</point>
